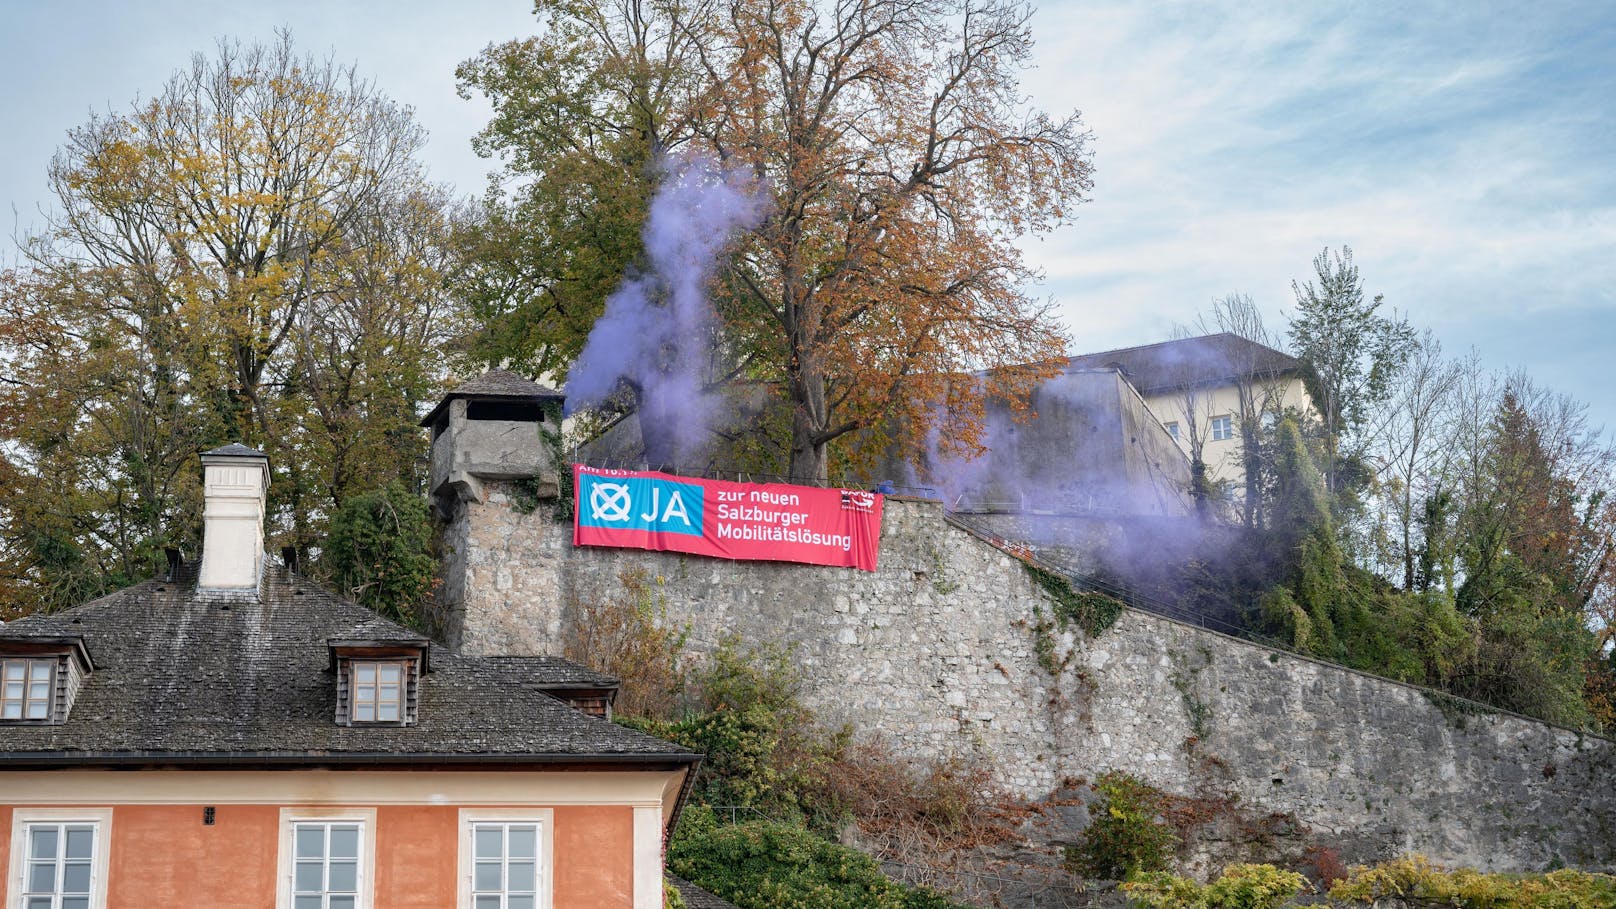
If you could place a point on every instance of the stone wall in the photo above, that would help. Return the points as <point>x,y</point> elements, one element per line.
<point>936,651</point>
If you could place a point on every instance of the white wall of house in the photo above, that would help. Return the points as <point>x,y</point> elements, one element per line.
<point>1217,418</point>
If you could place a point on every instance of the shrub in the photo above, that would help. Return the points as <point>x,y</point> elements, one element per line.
<point>763,865</point>
<point>629,637</point>
<point>1416,880</point>
<point>1126,834</point>
<point>379,552</point>
<point>1240,887</point>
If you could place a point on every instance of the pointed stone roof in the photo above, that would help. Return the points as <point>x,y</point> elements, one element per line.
<point>235,450</point>
<point>495,385</point>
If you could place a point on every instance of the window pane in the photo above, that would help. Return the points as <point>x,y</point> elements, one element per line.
<point>13,710</point>
<point>524,842</point>
<point>15,669</point>
<point>342,902</point>
<point>44,843</point>
<point>14,690</point>
<point>365,673</point>
<point>483,902</point>
<point>39,689</point>
<point>364,711</point>
<point>345,842</point>
<point>344,877</point>
<point>519,902</point>
<point>76,877</point>
<point>76,902</point>
<point>487,876</point>
<point>488,842</point>
<point>306,902</point>
<point>389,693</point>
<point>39,902</point>
<point>519,878</point>
<point>390,673</point>
<point>38,710</point>
<point>387,712</point>
<point>310,841</point>
<point>42,878</point>
<point>80,840</point>
<point>308,878</point>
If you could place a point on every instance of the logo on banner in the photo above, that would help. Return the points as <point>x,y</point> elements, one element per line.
<point>858,500</point>
<point>642,503</point>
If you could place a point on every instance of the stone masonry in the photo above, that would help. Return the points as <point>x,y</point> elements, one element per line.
<point>935,651</point>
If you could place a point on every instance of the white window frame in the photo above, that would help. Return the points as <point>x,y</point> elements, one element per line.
<point>399,703</point>
<point>286,864</point>
<point>23,818</point>
<point>465,866</point>
<point>30,665</point>
<point>1228,421</point>
<point>1172,429</point>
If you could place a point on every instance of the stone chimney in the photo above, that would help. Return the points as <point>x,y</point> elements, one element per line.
<point>235,479</point>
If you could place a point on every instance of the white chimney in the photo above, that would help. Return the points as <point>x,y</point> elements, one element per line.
<point>235,479</point>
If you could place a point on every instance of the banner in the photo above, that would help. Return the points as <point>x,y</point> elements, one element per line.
<point>764,521</point>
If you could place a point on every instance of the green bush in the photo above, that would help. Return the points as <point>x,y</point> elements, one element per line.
<point>1240,887</point>
<point>1416,880</point>
<point>379,552</point>
<point>1126,834</point>
<point>763,865</point>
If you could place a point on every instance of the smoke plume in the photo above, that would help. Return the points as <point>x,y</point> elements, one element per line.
<point>658,333</point>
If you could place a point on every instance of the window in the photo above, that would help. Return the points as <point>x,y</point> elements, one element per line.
<point>59,859</point>
<point>26,689</point>
<point>1222,428</point>
<point>325,870</point>
<point>1172,429</point>
<point>505,858</point>
<point>378,691</point>
<point>326,858</point>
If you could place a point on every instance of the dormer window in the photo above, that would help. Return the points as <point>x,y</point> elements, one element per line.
<point>40,676</point>
<point>377,690</point>
<point>27,688</point>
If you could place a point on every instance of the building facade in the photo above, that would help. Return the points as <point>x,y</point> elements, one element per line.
<point>230,734</point>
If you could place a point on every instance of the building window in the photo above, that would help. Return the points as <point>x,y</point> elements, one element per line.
<point>326,858</point>
<point>505,859</point>
<point>26,688</point>
<point>378,691</point>
<point>59,858</point>
<point>1172,429</point>
<point>1222,428</point>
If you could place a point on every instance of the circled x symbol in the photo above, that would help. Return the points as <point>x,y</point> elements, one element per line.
<point>609,501</point>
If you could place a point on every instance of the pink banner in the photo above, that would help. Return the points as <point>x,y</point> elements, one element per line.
<point>763,521</point>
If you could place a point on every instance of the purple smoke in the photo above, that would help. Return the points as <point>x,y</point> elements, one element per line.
<point>658,332</point>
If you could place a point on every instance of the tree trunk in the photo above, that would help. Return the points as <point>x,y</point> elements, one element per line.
<point>810,462</point>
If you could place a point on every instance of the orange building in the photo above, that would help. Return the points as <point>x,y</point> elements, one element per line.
<point>233,735</point>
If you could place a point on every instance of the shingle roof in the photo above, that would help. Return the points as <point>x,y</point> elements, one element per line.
<point>236,450</point>
<point>496,384</point>
<point>1187,362</point>
<point>182,677</point>
<point>695,897</point>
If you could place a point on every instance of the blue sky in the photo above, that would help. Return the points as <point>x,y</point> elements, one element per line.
<point>1466,151</point>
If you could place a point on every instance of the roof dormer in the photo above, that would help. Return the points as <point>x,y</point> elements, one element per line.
<point>378,668</point>
<point>40,676</point>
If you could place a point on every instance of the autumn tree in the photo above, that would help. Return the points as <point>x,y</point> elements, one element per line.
<point>901,162</point>
<point>254,255</point>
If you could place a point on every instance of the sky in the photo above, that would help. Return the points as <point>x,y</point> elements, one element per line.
<point>1465,151</point>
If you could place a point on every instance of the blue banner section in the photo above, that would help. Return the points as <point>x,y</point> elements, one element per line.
<point>639,503</point>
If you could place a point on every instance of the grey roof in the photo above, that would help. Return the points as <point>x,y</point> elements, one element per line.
<point>496,384</point>
<point>1188,362</point>
<point>695,897</point>
<point>236,450</point>
<point>183,678</point>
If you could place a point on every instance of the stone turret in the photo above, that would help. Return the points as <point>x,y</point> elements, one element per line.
<point>498,426</point>
<point>494,460</point>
